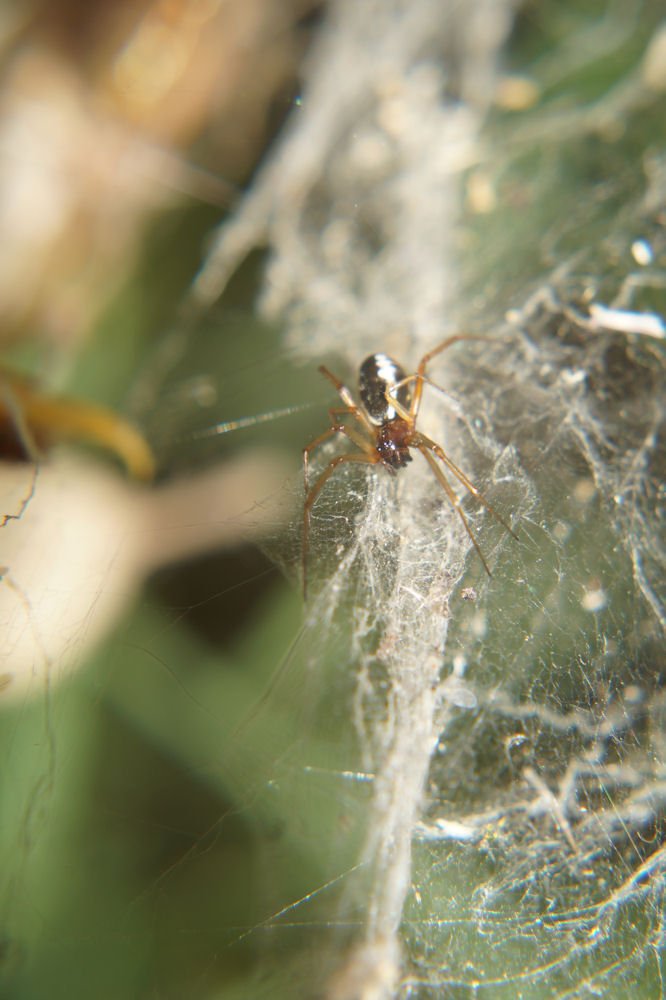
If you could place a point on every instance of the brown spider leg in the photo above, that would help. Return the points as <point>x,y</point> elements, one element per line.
<point>367,458</point>
<point>346,397</point>
<point>455,502</point>
<point>397,405</point>
<point>420,371</point>
<point>335,428</point>
<point>417,440</point>
<point>307,451</point>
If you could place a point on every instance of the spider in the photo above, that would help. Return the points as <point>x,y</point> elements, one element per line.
<point>383,427</point>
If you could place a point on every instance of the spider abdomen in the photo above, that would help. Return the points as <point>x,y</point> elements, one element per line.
<point>381,378</point>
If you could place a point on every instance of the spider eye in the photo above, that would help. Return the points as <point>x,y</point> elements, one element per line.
<point>378,377</point>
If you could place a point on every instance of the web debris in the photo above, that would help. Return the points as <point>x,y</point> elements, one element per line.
<point>562,417</point>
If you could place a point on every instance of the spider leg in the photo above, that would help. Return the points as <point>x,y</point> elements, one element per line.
<point>307,451</point>
<point>455,502</point>
<point>337,427</point>
<point>364,457</point>
<point>348,399</point>
<point>417,440</point>
<point>423,363</point>
<point>427,358</point>
<point>391,395</point>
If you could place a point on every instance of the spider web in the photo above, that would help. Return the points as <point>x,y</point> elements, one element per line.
<point>473,783</point>
<point>513,726</point>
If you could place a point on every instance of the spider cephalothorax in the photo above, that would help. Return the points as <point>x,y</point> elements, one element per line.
<point>392,444</point>
<point>383,428</point>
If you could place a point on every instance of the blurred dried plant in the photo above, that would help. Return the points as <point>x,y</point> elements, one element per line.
<point>109,114</point>
<point>101,107</point>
